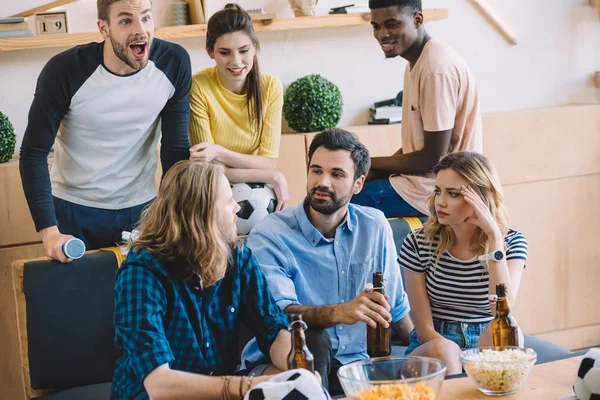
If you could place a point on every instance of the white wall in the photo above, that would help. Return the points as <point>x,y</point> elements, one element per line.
<point>553,63</point>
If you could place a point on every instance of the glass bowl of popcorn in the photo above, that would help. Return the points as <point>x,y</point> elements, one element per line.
<point>393,378</point>
<point>498,371</point>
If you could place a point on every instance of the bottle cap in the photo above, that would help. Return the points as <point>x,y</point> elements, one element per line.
<point>74,248</point>
<point>298,322</point>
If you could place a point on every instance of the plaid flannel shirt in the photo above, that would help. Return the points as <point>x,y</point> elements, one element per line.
<point>161,319</point>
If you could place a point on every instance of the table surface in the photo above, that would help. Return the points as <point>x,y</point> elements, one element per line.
<point>548,381</point>
<point>551,380</point>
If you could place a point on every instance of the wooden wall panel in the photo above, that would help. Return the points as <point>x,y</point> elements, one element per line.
<point>575,338</point>
<point>11,378</point>
<point>542,301</point>
<point>543,144</point>
<point>381,140</point>
<point>560,286</point>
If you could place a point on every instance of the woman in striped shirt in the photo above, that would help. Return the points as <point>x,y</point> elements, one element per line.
<point>236,109</point>
<point>449,276</point>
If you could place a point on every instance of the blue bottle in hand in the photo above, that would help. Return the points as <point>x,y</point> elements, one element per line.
<point>74,248</point>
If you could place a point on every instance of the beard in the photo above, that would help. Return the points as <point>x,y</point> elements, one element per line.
<point>229,233</point>
<point>121,50</point>
<point>327,206</point>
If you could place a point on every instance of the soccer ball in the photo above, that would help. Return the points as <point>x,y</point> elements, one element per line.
<point>296,384</point>
<point>256,201</point>
<point>587,381</point>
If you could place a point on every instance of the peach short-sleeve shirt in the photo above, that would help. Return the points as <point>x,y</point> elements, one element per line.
<point>439,94</point>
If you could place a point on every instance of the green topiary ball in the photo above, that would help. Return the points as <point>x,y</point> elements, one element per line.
<point>8,139</point>
<point>312,104</point>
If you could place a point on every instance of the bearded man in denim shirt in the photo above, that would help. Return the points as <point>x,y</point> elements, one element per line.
<point>318,256</point>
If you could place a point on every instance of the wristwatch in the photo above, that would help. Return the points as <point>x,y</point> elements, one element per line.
<point>496,255</point>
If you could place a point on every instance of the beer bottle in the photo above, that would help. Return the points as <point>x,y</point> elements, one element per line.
<point>379,343</point>
<point>300,356</point>
<point>505,331</point>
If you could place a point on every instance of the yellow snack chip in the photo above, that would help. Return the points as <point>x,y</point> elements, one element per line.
<point>399,391</point>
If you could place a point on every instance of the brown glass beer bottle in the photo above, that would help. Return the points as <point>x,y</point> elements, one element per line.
<point>300,356</point>
<point>505,331</point>
<point>379,343</point>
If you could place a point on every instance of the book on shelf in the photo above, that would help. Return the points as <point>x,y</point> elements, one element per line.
<point>391,112</point>
<point>383,121</point>
<point>387,111</point>
<point>351,9</point>
<point>17,26</point>
<point>385,115</point>
<point>13,34</point>
<point>12,20</point>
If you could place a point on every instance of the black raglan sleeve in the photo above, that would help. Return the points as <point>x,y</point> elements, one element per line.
<point>60,78</point>
<point>175,115</point>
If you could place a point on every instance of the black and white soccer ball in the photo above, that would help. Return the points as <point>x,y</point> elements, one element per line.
<point>295,384</point>
<point>587,381</point>
<point>256,201</point>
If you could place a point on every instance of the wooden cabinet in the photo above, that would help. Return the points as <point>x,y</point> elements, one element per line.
<point>16,225</point>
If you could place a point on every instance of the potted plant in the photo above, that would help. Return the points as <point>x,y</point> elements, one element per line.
<point>8,139</point>
<point>312,104</point>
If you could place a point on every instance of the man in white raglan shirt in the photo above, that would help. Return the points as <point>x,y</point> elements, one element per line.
<point>103,106</point>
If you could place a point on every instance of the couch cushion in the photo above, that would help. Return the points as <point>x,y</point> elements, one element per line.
<point>100,391</point>
<point>400,228</point>
<point>545,350</point>
<point>70,329</point>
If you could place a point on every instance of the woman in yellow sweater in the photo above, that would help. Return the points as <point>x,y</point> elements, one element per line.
<point>236,109</point>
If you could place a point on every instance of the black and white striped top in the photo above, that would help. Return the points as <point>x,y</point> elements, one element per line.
<point>457,289</point>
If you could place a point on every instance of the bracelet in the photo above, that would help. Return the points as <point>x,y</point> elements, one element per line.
<point>241,385</point>
<point>249,383</point>
<point>225,391</point>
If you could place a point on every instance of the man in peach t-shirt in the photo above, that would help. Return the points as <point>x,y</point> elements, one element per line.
<point>440,111</point>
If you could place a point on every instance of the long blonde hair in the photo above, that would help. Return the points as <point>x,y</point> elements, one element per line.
<point>180,227</point>
<point>482,176</point>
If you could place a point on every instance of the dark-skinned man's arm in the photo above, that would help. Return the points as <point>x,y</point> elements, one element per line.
<point>419,162</point>
<point>437,100</point>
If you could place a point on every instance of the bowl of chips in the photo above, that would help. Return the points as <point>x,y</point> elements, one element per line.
<point>393,378</point>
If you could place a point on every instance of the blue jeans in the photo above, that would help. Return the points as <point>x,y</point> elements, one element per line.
<point>381,195</point>
<point>97,227</point>
<point>465,335</point>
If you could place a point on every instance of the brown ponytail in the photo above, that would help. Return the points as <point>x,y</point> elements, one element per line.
<point>230,19</point>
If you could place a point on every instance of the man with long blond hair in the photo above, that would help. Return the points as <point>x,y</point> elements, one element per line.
<point>184,290</point>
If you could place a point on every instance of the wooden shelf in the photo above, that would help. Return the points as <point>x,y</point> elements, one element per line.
<point>191,31</point>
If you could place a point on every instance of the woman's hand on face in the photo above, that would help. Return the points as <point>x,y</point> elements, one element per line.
<point>282,193</point>
<point>482,218</point>
<point>205,152</point>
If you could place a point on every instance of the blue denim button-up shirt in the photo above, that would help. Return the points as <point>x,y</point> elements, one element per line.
<point>303,267</point>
